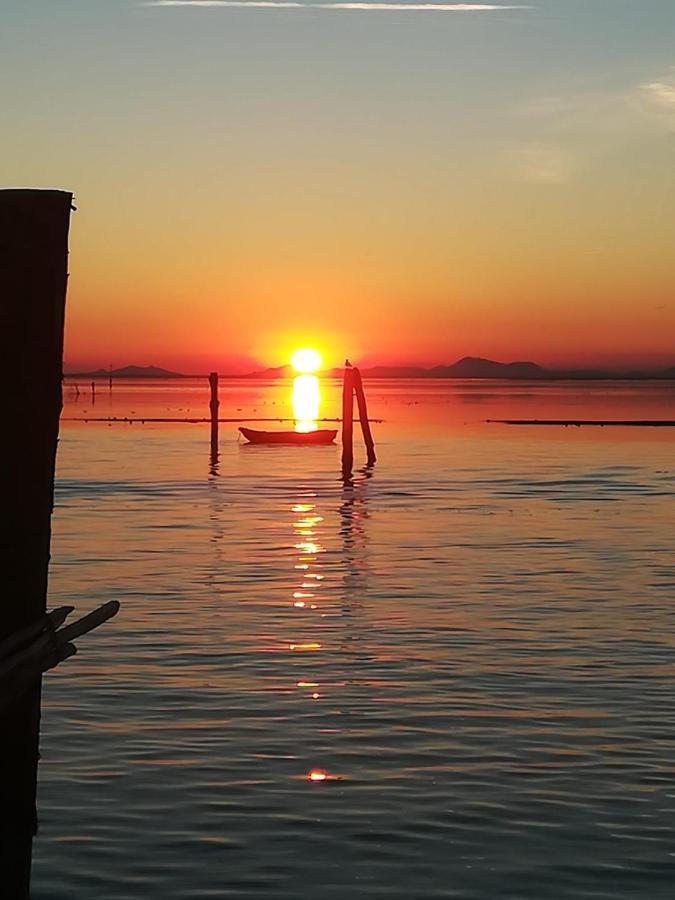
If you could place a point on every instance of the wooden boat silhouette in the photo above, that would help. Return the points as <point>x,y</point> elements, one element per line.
<point>301,438</point>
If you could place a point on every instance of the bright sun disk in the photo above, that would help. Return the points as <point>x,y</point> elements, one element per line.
<point>306,360</point>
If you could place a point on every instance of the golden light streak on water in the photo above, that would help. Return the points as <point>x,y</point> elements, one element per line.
<point>305,399</point>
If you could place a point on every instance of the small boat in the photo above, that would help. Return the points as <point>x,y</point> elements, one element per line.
<point>302,438</point>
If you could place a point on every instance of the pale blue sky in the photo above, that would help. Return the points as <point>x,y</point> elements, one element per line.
<point>378,149</point>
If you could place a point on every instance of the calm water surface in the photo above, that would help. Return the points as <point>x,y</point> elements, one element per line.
<point>475,642</point>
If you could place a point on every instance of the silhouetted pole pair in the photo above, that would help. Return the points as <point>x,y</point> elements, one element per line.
<point>33,276</point>
<point>352,384</point>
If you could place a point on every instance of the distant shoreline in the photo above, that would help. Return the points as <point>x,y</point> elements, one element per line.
<point>468,368</point>
<point>71,376</point>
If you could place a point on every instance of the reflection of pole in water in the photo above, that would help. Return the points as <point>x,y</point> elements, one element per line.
<point>93,392</point>
<point>213,461</point>
<point>354,515</point>
<point>219,521</point>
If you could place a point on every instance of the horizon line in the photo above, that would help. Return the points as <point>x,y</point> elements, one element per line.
<point>71,371</point>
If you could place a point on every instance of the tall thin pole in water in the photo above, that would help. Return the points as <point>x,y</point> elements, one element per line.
<point>33,277</point>
<point>363,416</point>
<point>214,403</point>
<point>347,420</point>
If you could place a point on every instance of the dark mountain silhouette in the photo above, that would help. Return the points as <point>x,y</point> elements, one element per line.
<point>394,372</point>
<point>130,372</point>
<point>476,367</point>
<point>276,372</point>
<point>467,367</point>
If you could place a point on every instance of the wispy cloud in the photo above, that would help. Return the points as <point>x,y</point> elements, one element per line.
<point>543,163</point>
<point>643,107</point>
<point>367,7</point>
<point>572,132</point>
<point>662,93</point>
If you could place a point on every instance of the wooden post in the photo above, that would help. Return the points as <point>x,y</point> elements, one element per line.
<point>33,277</point>
<point>93,392</point>
<point>363,416</point>
<point>347,421</point>
<point>213,407</point>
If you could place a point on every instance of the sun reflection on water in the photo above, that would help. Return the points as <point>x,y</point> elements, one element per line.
<point>306,594</point>
<point>305,398</point>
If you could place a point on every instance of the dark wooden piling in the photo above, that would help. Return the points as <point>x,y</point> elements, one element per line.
<point>579,423</point>
<point>347,421</point>
<point>214,403</point>
<point>363,416</point>
<point>33,276</point>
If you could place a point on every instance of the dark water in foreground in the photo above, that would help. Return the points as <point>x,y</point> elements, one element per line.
<point>476,644</point>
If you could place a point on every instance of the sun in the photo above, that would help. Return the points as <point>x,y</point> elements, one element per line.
<point>306,360</point>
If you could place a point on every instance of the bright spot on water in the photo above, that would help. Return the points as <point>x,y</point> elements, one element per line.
<point>317,775</point>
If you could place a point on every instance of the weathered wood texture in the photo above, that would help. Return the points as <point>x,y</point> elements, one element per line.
<point>363,416</point>
<point>347,422</point>
<point>33,275</point>
<point>214,404</point>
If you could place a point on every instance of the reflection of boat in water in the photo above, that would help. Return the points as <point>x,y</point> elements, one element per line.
<point>319,436</point>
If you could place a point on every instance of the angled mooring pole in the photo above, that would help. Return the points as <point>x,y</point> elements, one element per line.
<point>363,416</point>
<point>33,275</point>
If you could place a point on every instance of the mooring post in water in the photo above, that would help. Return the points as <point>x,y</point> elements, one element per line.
<point>213,408</point>
<point>347,420</point>
<point>363,416</point>
<point>33,277</point>
<point>93,392</point>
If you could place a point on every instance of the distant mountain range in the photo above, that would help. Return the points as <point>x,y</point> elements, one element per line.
<point>467,367</point>
<point>476,367</point>
<point>128,372</point>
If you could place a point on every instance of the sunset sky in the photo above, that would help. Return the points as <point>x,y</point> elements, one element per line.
<point>396,185</point>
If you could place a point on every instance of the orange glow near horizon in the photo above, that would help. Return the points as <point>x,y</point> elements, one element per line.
<point>546,304</point>
<point>548,238</point>
<point>555,313</point>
